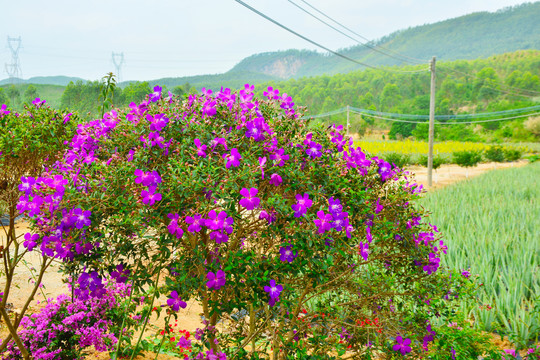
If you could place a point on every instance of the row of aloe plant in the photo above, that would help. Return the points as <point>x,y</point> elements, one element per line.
<point>492,225</point>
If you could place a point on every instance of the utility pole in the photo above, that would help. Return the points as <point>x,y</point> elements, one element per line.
<point>348,123</point>
<point>431,121</point>
<point>118,64</point>
<point>14,70</point>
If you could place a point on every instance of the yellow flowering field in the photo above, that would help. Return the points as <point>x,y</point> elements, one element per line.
<point>413,147</point>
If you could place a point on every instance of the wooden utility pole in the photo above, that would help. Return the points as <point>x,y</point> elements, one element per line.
<point>431,121</point>
<point>348,123</point>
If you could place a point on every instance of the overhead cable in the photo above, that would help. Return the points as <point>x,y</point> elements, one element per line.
<point>374,48</point>
<point>420,61</point>
<point>315,43</point>
<point>400,117</point>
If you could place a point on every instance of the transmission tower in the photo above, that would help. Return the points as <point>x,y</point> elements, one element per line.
<point>14,69</point>
<point>118,61</point>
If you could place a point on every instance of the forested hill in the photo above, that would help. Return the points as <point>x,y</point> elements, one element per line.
<point>500,82</point>
<point>472,36</point>
<point>44,80</point>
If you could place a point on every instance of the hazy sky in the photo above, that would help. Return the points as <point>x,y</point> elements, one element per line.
<point>169,38</point>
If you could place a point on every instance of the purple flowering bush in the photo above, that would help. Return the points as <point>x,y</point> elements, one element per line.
<point>30,141</point>
<point>68,328</point>
<point>244,206</point>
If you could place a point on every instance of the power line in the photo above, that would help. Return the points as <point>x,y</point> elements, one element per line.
<point>449,123</point>
<point>399,117</point>
<point>311,41</point>
<point>420,61</point>
<point>350,37</point>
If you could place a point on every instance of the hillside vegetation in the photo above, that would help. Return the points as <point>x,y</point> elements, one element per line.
<point>463,86</point>
<point>472,36</point>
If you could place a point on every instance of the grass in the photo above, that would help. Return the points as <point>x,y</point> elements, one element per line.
<point>491,225</point>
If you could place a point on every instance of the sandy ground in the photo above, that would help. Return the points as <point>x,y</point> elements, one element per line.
<point>449,174</point>
<point>190,318</point>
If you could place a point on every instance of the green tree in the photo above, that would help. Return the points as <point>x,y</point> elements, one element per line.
<point>3,97</point>
<point>14,95</point>
<point>30,94</point>
<point>136,92</point>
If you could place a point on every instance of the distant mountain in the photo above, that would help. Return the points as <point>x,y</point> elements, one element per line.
<point>477,35</point>
<point>49,80</point>
<point>231,79</point>
<point>472,36</point>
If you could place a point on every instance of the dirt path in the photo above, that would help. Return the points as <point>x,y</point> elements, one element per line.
<point>449,174</point>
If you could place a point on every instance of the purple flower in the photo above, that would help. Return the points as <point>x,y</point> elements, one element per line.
<point>323,222</point>
<point>156,95</point>
<point>156,139</point>
<point>120,274</point>
<point>275,180</point>
<point>273,291</point>
<point>250,201</point>
<point>195,223</point>
<point>385,170</point>
<point>271,94</point>
<point>219,237</point>
<point>334,206</point>
<point>279,157</point>
<point>378,207</point>
<point>262,162</point>
<point>369,237</point>
<point>402,345</point>
<point>4,111</point>
<point>26,184</point>
<point>215,281</point>
<point>38,102</point>
<point>157,122</point>
<point>466,274</point>
<point>432,265</point>
<point>215,221</point>
<point>173,226</point>
<point>287,254</point>
<point>302,204</point>
<point>150,196</point>
<point>150,178</point>
<point>34,207</point>
<point>175,302</point>
<point>184,343</point>
<point>218,141</point>
<point>82,218</point>
<point>209,108</point>
<point>31,241</point>
<point>313,149</point>
<point>363,249</point>
<point>270,217</point>
<point>341,221</point>
<point>200,148</point>
<point>233,159</point>
<point>255,129</point>
<point>89,281</point>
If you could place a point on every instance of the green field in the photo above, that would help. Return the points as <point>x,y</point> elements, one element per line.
<point>491,225</point>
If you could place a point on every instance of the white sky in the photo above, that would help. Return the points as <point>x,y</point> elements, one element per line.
<point>170,38</point>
